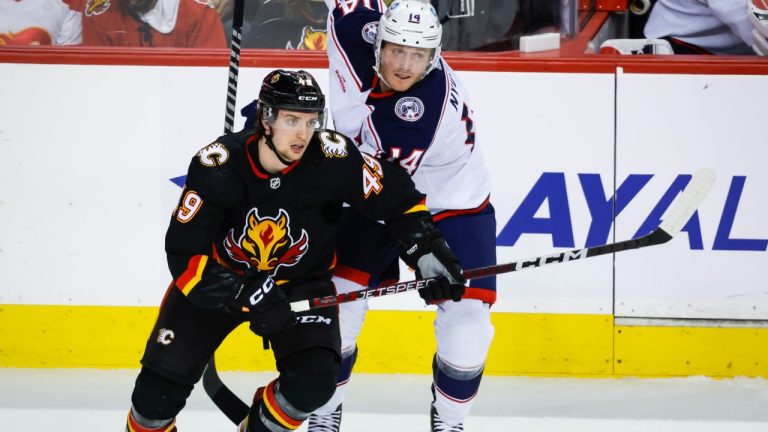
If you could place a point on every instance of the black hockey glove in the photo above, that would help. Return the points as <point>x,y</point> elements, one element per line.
<point>214,288</point>
<point>268,309</point>
<point>426,251</point>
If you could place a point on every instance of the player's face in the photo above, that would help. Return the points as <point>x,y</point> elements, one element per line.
<point>402,66</point>
<point>291,132</point>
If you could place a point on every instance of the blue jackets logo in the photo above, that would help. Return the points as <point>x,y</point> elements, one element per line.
<point>409,108</point>
<point>369,31</point>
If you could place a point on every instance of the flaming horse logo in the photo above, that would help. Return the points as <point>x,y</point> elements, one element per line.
<point>313,39</point>
<point>96,7</point>
<point>266,243</point>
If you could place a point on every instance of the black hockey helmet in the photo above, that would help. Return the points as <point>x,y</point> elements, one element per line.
<point>281,89</point>
<point>295,91</point>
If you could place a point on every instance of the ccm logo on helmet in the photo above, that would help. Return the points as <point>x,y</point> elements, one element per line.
<point>308,98</point>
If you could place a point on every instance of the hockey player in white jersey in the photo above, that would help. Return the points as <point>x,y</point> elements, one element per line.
<point>398,98</point>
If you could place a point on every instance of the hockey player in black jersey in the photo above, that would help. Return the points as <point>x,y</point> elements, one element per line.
<point>255,229</point>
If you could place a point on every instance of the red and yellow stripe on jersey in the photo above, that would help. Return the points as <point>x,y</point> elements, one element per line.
<point>421,206</point>
<point>192,274</point>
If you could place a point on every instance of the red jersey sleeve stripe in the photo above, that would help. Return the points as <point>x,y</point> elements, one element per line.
<point>193,274</point>
<point>451,213</point>
<point>482,294</point>
<point>332,31</point>
<point>351,274</point>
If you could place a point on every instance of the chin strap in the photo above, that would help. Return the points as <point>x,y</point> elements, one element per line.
<point>381,77</point>
<point>271,146</point>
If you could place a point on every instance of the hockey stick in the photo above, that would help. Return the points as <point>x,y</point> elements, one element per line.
<point>228,402</point>
<point>678,215</point>
<point>234,65</point>
<point>220,394</point>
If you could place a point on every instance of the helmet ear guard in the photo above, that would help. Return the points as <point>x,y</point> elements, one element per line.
<point>268,113</point>
<point>411,23</point>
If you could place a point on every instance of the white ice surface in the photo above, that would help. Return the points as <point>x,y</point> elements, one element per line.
<point>98,400</point>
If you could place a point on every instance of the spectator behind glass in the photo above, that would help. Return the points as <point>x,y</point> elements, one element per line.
<point>702,26</point>
<point>226,10</point>
<point>40,22</point>
<point>152,23</point>
<point>486,30</point>
<point>496,25</point>
<point>288,24</point>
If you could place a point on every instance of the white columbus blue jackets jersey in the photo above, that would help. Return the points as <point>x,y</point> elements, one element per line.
<point>429,129</point>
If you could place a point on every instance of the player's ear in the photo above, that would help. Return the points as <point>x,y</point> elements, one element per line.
<point>265,123</point>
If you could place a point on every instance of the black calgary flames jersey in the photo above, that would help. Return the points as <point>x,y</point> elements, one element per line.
<point>233,214</point>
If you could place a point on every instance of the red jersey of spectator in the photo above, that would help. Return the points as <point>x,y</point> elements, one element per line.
<point>39,22</point>
<point>152,23</point>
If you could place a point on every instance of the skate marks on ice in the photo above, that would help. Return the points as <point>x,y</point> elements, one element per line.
<point>75,400</point>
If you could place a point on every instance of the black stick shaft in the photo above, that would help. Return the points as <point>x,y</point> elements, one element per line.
<point>234,66</point>
<point>228,402</point>
<point>658,236</point>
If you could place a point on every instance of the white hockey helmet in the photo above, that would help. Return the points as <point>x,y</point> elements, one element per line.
<point>412,23</point>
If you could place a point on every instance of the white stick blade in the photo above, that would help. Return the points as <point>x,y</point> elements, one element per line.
<point>689,200</point>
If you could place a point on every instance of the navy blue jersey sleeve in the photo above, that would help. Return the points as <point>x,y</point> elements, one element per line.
<point>352,28</point>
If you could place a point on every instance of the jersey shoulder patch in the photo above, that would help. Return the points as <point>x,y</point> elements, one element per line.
<point>214,173</point>
<point>333,144</point>
<point>214,154</point>
<point>409,108</point>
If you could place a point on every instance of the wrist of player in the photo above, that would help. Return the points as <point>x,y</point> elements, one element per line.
<point>415,234</point>
<point>214,288</point>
